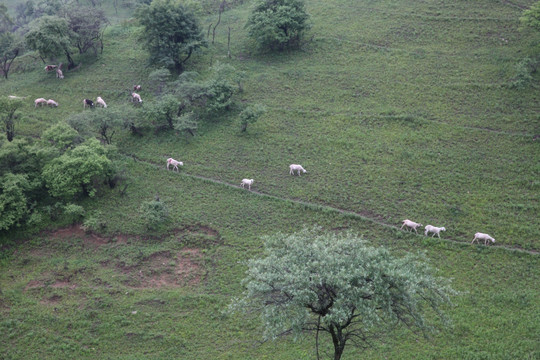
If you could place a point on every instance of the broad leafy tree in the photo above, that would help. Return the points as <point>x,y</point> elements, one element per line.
<point>8,109</point>
<point>13,201</point>
<point>50,36</point>
<point>336,284</point>
<point>10,44</point>
<point>278,24</point>
<point>87,24</point>
<point>78,171</point>
<point>250,115</point>
<point>102,122</point>
<point>10,47</point>
<point>171,33</point>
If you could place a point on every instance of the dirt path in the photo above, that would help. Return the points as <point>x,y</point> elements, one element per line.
<point>314,206</point>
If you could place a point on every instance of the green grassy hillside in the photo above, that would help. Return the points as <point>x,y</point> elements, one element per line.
<point>397,109</point>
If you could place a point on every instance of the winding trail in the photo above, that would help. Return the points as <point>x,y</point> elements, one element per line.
<point>314,206</point>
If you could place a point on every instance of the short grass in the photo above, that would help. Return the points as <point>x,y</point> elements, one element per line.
<point>397,109</point>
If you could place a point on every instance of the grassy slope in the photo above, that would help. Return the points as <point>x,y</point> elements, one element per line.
<point>387,107</point>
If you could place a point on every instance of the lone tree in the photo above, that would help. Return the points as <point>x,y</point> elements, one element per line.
<point>8,108</point>
<point>10,44</point>
<point>50,36</point>
<point>278,24</point>
<point>336,284</point>
<point>171,33</point>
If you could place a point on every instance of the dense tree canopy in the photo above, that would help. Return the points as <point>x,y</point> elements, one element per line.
<point>171,33</point>
<point>50,36</point>
<point>10,44</point>
<point>13,201</point>
<point>78,171</point>
<point>278,23</point>
<point>8,109</point>
<point>86,24</point>
<point>337,284</point>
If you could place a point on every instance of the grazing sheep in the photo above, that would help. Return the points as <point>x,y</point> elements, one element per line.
<point>247,182</point>
<point>136,98</point>
<point>52,103</point>
<point>411,224</point>
<point>174,163</point>
<point>296,167</point>
<point>101,102</point>
<point>59,74</point>
<point>482,236</point>
<point>40,101</point>
<point>137,88</point>
<point>88,102</point>
<point>50,67</point>
<point>435,230</point>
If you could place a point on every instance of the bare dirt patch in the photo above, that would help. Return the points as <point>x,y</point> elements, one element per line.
<point>164,269</point>
<point>53,300</point>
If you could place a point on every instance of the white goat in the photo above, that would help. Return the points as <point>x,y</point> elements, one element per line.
<point>411,224</point>
<point>482,236</point>
<point>296,167</point>
<point>100,101</point>
<point>174,163</point>
<point>59,74</point>
<point>40,101</point>
<point>435,230</point>
<point>136,97</point>
<point>247,182</point>
<point>52,103</point>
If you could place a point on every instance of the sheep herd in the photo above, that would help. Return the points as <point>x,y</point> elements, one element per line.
<point>407,224</point>
<point>135,98</point>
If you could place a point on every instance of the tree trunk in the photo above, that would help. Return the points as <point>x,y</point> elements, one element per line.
<point>338,340</point>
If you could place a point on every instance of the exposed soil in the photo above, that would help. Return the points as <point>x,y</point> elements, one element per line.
<point>163,269</point>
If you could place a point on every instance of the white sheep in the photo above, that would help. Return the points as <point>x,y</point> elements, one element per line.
<point>411,224</point>
<point>100,101</point>
<point>247,182</point>
<point>136,98</point>
<point>482,236</point>
<point>296,167</point>
<point>174,163</point>
<point>435,230</point>
<point>40,101</point>
<point>52,103</point>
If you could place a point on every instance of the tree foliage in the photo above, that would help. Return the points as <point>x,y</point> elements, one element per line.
<point>171,33</point>
<point>278,24</point>
<point>8,109</point>
<point>50,36</point>
<point>336,284</point>
<point>250,115</point>
<point>13,201</point>
<point>531,17</point>
<point>155,213</point>
<point>61,136</point>
<point>212,95</point>
<point>164,112</point>
<point>78,171</point>
<point>87,24</point>
<point>11,45</point>
<point>102,122</point>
